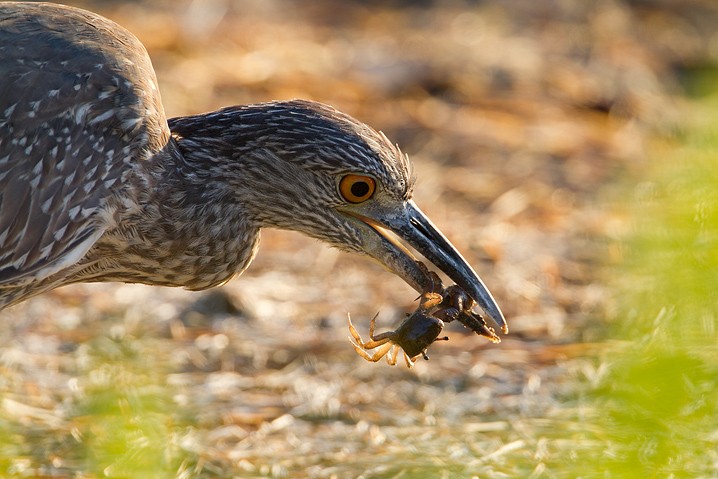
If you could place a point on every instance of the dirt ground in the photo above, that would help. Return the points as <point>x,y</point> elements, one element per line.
<point>519,117</point>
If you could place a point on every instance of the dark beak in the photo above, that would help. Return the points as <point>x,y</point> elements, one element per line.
<point>413,226</point>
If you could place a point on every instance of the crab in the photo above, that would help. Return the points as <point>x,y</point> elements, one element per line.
<point>413,336</point>
<point>421,329</point>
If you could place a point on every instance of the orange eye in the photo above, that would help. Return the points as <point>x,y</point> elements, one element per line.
<point>357,188</point>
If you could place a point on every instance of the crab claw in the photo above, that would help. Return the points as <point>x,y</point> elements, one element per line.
<point>477,324</point>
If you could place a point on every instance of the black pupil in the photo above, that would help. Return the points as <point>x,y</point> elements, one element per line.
<point>360,189</point>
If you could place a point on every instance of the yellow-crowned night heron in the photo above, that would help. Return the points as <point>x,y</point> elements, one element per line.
<point>97,185</point>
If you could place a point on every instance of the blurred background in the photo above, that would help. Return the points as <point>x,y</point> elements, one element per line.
<point>568,150</point>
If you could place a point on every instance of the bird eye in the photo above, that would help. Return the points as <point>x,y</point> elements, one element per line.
<point>357,188</point>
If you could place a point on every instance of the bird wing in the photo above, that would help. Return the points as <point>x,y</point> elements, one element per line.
<point>79,108</point>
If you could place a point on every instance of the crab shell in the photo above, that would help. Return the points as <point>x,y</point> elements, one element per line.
<point>417,333</point>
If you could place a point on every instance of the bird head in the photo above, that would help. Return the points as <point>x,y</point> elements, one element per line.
<point>307,167</point>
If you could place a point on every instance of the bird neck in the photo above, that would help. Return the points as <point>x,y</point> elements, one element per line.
<point>178,229</point>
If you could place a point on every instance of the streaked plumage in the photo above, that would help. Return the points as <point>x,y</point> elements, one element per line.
<point>96,185</point>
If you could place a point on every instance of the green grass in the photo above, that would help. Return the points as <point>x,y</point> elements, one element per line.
<point>119,422</point>
<point>658,403</point>
<point>123,415</point>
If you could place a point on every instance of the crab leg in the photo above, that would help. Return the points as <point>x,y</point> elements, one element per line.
<point>409,362</point>
<point>380,353</point>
